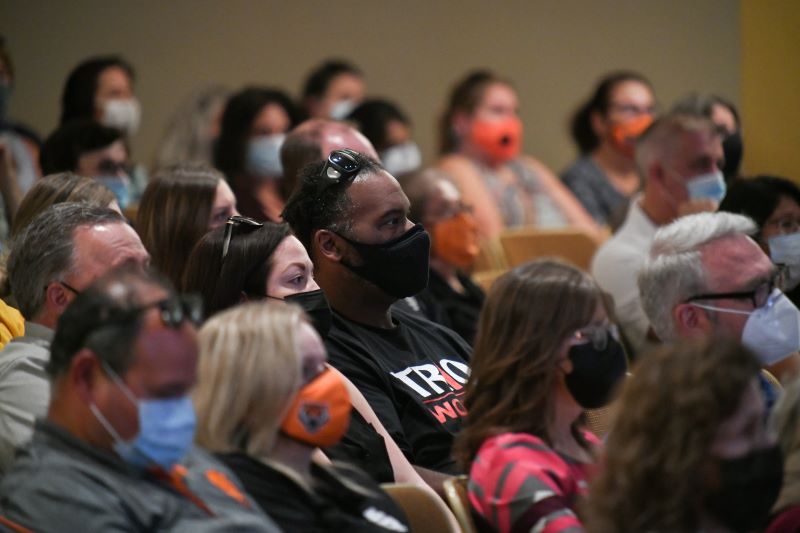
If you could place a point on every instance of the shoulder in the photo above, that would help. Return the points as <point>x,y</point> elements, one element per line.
<point>582,171</point>
<point>431,333</point>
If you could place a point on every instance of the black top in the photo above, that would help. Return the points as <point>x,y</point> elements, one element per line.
<point>364,447</point>
<point>413,376</point>
<point>453,309</point>
<point>343,499</point>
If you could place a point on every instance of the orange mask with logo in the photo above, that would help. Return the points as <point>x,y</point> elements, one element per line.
<point>320,413</point>
<point>500,140</point>
<point>624,134</point>
<point>455,240</point>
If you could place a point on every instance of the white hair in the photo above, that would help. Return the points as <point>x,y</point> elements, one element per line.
<point>674,270</point>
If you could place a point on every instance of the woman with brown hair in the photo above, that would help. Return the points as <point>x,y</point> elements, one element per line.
<point>545,351</point>
<point>180,205</point>
<point>690,450</point>
<point>481,147</point>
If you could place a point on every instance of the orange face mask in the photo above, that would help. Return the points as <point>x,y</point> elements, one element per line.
<point>320,413</point>
<point>624,134</point>
<point>500,140</point>
<point>455,240</point>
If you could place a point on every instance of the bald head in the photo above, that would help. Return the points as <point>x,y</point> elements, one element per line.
<point>313,140</point>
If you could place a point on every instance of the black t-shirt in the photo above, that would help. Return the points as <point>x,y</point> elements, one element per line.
<point>453,309</point>
<point>343,499</point>
<point>413,376</point>
<point>364,447</point>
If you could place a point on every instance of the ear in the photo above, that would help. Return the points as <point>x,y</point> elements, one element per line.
<point>83,373</point>
<point>460,124</point>
<point>329,245</point>
<point>656,174</point>
<point>57,297</point>
<point>598,123</point>
<point>690,321</point>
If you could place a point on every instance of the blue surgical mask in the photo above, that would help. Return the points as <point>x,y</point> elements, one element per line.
<point>166,429</point>
<point>120,186</point>
<point>264,156</point>
<point>710,186</point>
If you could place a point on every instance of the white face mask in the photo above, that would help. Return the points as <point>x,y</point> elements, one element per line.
<point>264,156</point>
<point>785,250</point>
<point>341,109</point>
<point>709,186</point>
<point>122,114</point>
<point>401,158</point>
<point>772,331</point>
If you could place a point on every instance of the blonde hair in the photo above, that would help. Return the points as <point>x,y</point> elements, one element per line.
<point>248,373</point>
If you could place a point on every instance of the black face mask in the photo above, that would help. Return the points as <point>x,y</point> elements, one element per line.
<point>315,304</point>
<point>595,372</point>
<point>398,267</point>
<point>733,149</point>
<point>748,488</point>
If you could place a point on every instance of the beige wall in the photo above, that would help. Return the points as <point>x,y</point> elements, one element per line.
<point>411,50</point>
<point>771,86</point>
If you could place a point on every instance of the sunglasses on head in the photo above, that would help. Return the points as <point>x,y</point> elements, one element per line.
<point>233,222</point>
<point>342,166</point>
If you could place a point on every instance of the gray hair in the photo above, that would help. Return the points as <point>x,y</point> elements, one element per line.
<point>659,141</point>
<point>674,271</point>
<point>44,250</point>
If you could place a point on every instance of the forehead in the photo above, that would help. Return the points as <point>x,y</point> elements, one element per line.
<point>108,243</point>
<point>787,207</point>
<point>691,144</point>
<point>631,91</point>
<point>732,262</point>
<point>113,77</point>
<point>223,194</point>
<point>374,194</point>
<point>498,93</point>
<point>290,250</point>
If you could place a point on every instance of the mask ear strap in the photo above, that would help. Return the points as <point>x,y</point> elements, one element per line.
<point>720,309</point>
<point>105,423</point>
<point>119,383</point>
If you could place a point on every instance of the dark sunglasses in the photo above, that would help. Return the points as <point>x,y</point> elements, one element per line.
<point>236,221</point>
<point>176,310</point>
<point>342,166</point>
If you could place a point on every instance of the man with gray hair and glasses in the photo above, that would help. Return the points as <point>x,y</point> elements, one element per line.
<point>55,257</point>
<point>707,277</point>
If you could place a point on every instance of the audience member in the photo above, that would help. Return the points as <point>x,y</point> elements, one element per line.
<point>194,128</point>
<point>545,352</point>
<point>286,404</point>
<point>266,261</point>
<point>180,205</point>
<point>115,452</point>
<point>690,450</point>
<point>605,129</point>
<point>678,158</point>
<point>101,89</point>
<point>60,188</point>
<point>481,141</point>
<point>254,126</point>
<point>389,131</point>
<point>351,216</point>
<point>784,421</point>
<point>706,277</point>
<point>774,205</point>
<point>90,149</point>
<point>52,260</point>
<point>333,90</point>
<point>725,116</point>
<point>451,298</point>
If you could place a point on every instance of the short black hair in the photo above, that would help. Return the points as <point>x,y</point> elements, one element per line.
<point>758,197</point>
<point>306,211</point>
<point>372,117</point>
<point>78,98</point>
<point>241,110</point>
<point>107,318</point>
<point>320,78</point>
<point>63,148</point>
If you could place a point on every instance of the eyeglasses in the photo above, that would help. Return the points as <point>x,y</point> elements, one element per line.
<point>631,110</point>
<point>597,335</point>
<point>759,296</point>
<point>785,225</point>
<point>234,222</point>
<point>176,310</point>
<point>342,166</point>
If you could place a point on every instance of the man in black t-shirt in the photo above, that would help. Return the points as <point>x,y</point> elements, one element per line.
<point>351,216</point>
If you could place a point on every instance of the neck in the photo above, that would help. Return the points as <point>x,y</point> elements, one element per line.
<point>474,154</point>
<point>349,298</point>
<point>566,412</point>
<point>448,272</point>
<point>612,160</point>
<point>294,455</point>
<point>46,318</point>
<point>658,211</point>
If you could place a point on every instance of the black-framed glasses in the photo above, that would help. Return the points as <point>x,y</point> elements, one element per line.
<point>236,221</point>
<point>177,309</point>
<point>758,296</point>
<point>342,166</point>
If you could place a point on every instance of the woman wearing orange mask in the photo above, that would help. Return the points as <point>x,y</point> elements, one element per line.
<point>605,129</point>
<point>451,298</point>
<point>265,401</point>
<point>481,141</point>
